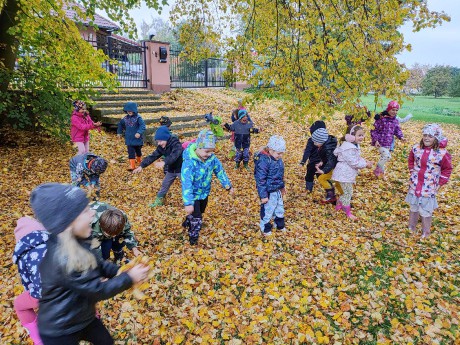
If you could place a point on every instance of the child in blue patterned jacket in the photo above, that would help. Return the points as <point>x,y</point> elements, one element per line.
<point>133,128</point>
<point>199,163</point>
<point>269,175</point>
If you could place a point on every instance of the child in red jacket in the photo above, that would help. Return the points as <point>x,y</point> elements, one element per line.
<point>81,123</point>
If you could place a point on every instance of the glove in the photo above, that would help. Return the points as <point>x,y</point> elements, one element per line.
<point>227,127</point>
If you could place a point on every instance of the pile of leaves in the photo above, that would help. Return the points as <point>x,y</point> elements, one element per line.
<point>328,280</point>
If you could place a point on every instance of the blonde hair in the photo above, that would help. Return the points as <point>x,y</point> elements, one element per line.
<point>74,256</point>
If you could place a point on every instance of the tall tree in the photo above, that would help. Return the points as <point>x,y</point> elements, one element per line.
<point>437,81</point>
<point>317,53</point>
<point>415,79</point>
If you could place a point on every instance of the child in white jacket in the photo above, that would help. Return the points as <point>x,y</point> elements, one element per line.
<point>349,161</point>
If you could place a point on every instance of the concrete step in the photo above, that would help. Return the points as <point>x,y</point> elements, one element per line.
<point>113,120</point>
<point>118,104</point>
<point>178,127</point>
<point>126,98</point>
<point>148,109</point>
<point>130,91</point>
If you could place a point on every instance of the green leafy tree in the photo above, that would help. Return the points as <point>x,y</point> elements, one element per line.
<point>316,53</point>
<point>44,62</point>
<point>454,87</point>
<point>437,81</point>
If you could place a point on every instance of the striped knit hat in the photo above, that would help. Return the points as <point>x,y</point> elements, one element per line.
<point>320,136</point>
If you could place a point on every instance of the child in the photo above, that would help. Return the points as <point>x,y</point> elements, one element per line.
<point>85,170</point>
<point>269,176</point>
<point>73,278</point>
<point>400,120</point>
<point>310,154</point>
<point>196,174</point>
<point>385,127</point>
<point>430,167</point>
<point>326,145</point>
<point>215,122</point>
<point>111,231</point>
<point>242,128</point>
<point>133,127</point>
<point>30,249</point>
<point>170,148</point>
<point>81,123</point>
<point>165,121</point>
<point>349,161</point>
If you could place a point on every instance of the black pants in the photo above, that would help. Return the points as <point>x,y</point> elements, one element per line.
<point>134,151</point>
<point>310,175</point>
<point>95,333</point>
<point>199,207</point>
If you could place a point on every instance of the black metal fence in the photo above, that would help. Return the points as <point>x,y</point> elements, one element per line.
<point>130,66</point>
<point>205,73</point>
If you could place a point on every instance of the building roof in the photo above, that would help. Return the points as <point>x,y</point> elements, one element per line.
<point>100,21</point>
<point>126,40</point>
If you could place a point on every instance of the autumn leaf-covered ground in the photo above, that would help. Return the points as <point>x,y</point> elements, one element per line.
<point>327,280</point>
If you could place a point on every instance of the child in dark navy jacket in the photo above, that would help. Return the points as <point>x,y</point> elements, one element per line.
<point>243,127</point>
<point>73,277</point>
<point>269,176</point>
<point>133,127</point>
<point>30,249</point>
<point>170,148</point>
<point>310,154</point>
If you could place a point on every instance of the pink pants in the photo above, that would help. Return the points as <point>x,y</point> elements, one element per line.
<point>82,147</point>
<point>24,306</point>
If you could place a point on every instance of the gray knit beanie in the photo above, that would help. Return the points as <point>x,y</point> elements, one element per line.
<point>57,205</point>
<point>320,136</point>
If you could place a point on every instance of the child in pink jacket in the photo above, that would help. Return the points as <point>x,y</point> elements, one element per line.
<point>81,123</point>
<point>349,161</point>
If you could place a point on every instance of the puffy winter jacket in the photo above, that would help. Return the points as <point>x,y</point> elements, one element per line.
<point>310,153</point>
<point>326,154</point>
<point>172,155</point>
<point>80,123</point>
<point>79,172</point>
<point>349,161</point>
<point>384,130</point>
<point>268,173</point>
<point>68,301</point>
<point>29,252</point>
<point>196,175</point>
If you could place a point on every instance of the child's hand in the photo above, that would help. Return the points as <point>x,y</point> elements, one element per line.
<point>137,170</point>
<point>98,124</point>
<point>319,171</point>
<point>231,191</point>
<point>377,144</point>
<point>403,139</point>
<point>283,191</point>
<point>320,164</point>
<point>136,252</point>
<point>120,136</point>
<point>189,209</point>
<point>137,135</point>
<point>263,200</point>
<point>138,273</point>
<point>159,164</point>
<point>369,164</point>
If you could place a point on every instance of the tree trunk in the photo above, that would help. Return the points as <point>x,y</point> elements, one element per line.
<point>8,43</point>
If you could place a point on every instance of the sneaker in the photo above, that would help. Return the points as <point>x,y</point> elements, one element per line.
<point>266,233</point>
<point>282,230</point>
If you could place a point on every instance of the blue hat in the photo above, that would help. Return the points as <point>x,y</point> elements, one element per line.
<point>320,136</point>
<point>57,205</point>
<point>130,106</point>
<point>162,133</point>
<point>206,140</point>
<point>242,113</point>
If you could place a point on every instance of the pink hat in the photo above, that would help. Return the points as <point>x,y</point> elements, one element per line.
<point>393,105</point>
<point>25,226</point>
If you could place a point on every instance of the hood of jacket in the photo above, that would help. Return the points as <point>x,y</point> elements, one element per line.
<point>25,226</point>
<point>189,153</point>
<point>29,242</point>
<point>130,106</point>
<point>344,147</point>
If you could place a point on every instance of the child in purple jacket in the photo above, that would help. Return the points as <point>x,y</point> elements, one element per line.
<point>385,128</point>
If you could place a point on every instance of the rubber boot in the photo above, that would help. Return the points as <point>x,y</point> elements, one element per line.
<point>378,172</point>
<point>33,332</point>
<point>132,164</point>
<point>330,197</point>
<point>194,230</point>
<point>347,210</point>
<point>237,165</point>
<point>159,201</point>
<point>138,160</point>
<point>413,220</point>
<point>426,226</point>
<point>338,205</point>
<point>246,165</point>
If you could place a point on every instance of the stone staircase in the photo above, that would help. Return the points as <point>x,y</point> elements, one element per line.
<point>108,109</point>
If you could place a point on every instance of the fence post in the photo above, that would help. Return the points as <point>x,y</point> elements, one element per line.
<point>109,52</point>
<point>206,73</point>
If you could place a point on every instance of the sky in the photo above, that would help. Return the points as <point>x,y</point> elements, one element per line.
<point>439,46</point>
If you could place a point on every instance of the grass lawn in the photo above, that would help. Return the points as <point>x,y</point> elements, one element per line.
<point>424,108</point>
